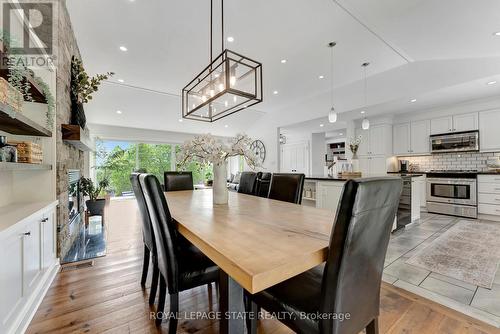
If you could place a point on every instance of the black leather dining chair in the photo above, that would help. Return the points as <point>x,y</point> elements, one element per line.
<point>287,187</point>
<point>182,266</point>
<point>247,183</point>
<point>349,282</point>
<point>147,237</point>
<point>263,182</point>
<point>175,181</point>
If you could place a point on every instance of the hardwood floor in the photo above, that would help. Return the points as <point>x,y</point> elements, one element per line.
<point>108,298</point>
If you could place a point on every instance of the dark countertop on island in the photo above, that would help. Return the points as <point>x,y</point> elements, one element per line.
<point>486,172</point>
<point>339,178</point>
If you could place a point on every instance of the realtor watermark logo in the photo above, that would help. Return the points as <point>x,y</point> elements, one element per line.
<point>29,31</point>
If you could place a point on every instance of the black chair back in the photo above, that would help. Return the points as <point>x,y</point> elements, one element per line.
<point>175,181</point>
<point>167,240</point>
<point>263,182</point>
<point>147,228</point>
<point>247,183</point>
<point>358,245</point>
<point>287,187</point>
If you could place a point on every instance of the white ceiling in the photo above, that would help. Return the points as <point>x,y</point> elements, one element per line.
<point>449,44</point>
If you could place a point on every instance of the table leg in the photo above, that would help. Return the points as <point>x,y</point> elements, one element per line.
<point>231,306</point>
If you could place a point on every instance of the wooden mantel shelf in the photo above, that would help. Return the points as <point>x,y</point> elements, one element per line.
<point>17,166</point>
<point>16,123</point>
<point>76,136</point>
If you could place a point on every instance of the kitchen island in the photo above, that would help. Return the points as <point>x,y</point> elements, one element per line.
<point>325,191</point>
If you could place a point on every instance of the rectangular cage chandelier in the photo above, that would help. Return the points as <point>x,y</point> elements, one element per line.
<point>230,83</point>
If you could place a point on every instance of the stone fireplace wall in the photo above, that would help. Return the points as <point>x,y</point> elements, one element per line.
<point>68,157</point>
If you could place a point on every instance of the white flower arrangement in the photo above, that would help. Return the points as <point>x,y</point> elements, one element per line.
<point>354,144</point>
<point>209,149</point>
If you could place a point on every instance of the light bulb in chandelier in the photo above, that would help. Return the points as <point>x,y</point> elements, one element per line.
<point>232,80</point>
<point>365,124</point>
<point>332,115</point>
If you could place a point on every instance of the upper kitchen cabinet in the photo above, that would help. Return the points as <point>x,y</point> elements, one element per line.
<point>375,141</point>
<point>489,139</point>
<point>457,123</point>
<point>411,137</point>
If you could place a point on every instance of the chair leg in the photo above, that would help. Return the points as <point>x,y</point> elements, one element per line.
<point>145,266</point>
<point>174,312</point>
<point>154,283</point>
<point>252,317</point>
<point>372,327</point>
<point>160,311</point>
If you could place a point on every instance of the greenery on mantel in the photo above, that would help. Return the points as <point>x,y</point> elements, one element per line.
<point>51,101</point>
<point>82,85</point>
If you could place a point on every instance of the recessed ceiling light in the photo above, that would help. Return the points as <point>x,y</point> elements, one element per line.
<point>322,125</point>
<point>226,126</point>
<point>123,48</point>
<point>275,92</point>
<point>491,83</point>
<point>121,80</point>
<point>340,134</point>
<point>321,77</point>
<point>118,111</point>
<point>362,111</point>
<point>496,33</point>
<point>413,100</point>
<point>230,39</point>
<point>283,61</point>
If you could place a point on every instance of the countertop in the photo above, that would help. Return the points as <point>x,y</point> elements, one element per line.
<point>339,178</point>
<point>18,212</point>
<point>488,172</point>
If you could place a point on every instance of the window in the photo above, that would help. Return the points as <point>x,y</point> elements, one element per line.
<point>201,172</point>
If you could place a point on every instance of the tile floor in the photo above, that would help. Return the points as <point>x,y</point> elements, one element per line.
<point>445,290</point>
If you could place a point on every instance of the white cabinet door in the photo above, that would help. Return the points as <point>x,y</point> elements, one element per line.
<point>401,138</point>
<point>48,240</point>
<point>364,165</point>
<point>441,125</point>
<point>489,133</point>
<point>11,279</point>
<point>329,194</point>
<point>465,122</point>
<point>32,254</point>
<point>378,165</point>
<point>420,131</point>
<point>365,141</point>
<point>378,135</point>
<point>302,159</point>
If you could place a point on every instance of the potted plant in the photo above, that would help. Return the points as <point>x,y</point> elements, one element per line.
<point>209,178</point>
<point>94,204</point>
<point>82,88</point>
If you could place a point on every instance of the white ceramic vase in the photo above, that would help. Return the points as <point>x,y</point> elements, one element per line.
<point>220,192</point>
<point>355,162</point>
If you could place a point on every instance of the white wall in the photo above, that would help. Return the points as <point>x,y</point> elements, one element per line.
<point>318,151</point>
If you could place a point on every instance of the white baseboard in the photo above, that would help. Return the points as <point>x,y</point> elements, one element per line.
<point>35,299</point>
<point>488,217</point>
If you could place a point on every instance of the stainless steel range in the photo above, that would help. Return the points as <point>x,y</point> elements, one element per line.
<point>452,192</point>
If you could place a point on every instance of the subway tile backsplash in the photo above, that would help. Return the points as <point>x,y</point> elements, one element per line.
<point>450,161</point>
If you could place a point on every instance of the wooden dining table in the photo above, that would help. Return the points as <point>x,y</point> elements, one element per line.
<point>256,242</point>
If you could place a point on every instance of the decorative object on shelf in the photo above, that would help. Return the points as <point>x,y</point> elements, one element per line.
<point>230,83</point>
<point>259,149</point>
<point>353,147</point>
<point>365,124</point>
<point>95,205</point>
<point>82,88</point>
<point>8,153</point>
<point>28,152</point>
<point>208,149</point>
<point>332,114</point>
<point>10,95</point>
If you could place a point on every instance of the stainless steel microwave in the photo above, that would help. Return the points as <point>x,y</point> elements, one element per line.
<point>455,142</point>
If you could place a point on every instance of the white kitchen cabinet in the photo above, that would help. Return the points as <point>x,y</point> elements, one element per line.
<point>295,158</point>
<point>28,261</point>
<point>441,125</point>
<point>375,141</point>
<point>420,132</point>
<point>373,165</point>
<point>328,194</point>
<point>488,189</point>
<point>411,137</point>
<point>489,132</point>
<point>456,123</point>
<point>465,122</point>
<point>401,137</point>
